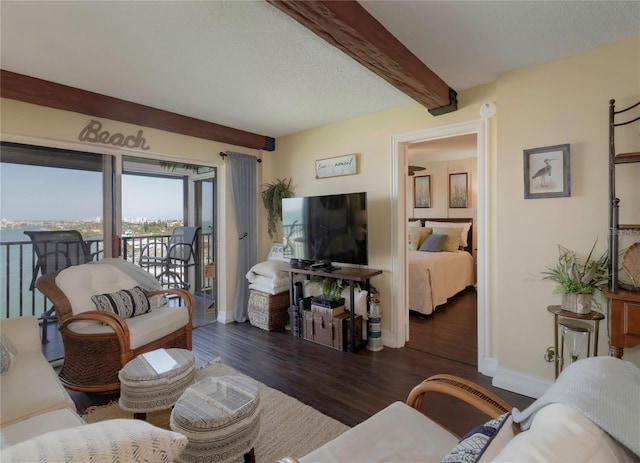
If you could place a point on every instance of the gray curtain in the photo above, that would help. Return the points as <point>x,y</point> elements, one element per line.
<point>242,175</point>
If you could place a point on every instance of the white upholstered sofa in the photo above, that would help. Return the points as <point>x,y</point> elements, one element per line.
<point>566,425</point>
<point>38,419</point>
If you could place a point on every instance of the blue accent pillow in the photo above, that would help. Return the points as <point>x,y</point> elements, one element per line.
<point>474,443</point>
<point>433,243</point>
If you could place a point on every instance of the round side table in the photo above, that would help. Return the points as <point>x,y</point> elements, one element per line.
<point>575,322</point>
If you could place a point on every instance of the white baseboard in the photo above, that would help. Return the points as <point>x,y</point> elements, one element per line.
<point>487,366</point>
<point>520,383</point>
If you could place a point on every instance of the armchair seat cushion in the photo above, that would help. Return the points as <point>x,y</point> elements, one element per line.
<point>398,433</point>
<point>145,328</point>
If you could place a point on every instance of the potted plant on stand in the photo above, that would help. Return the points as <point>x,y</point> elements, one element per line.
<point>578,281</point>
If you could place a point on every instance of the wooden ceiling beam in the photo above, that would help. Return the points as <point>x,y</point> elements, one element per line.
<point>44,93</point>
<point>349,27</point>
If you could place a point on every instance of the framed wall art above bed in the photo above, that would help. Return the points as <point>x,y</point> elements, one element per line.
<point>458,190</point>
<point>422,191</point>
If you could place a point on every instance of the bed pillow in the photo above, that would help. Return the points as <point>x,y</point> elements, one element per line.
<point>452,243</point>
<point>465,226</point>
<point>416,236</point>
<point>433,243</point>
<point>126,303</point>
<point>474,444</point>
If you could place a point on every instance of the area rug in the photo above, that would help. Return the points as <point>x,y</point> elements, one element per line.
<point>288,427</point>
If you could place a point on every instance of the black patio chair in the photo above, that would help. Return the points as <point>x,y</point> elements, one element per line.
<point>56,250</point>
<point>172,258</point>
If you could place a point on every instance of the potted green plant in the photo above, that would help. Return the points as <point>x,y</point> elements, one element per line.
<point>330,291</point>
<point>578,281</point>
<point>272,198</point>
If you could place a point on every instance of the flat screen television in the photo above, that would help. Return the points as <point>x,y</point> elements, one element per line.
<point>327,228</point>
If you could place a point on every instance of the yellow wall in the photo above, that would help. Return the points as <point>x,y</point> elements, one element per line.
<point>563,101</point>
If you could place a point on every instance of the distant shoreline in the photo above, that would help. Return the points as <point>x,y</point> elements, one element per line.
<point>88,228</point>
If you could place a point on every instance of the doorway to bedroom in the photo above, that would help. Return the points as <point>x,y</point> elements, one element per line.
<point>442,185</point>
<point>444,335</point>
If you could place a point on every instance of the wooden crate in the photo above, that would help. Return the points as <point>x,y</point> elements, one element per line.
<point>331,331</point>
<point>268,311</point>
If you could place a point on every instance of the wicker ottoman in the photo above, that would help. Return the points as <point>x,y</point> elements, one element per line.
<point>155,380</point>
<point>268,311</point>
<point>221,419</point>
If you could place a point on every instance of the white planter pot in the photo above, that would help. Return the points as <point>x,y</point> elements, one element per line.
<point>577,303</point>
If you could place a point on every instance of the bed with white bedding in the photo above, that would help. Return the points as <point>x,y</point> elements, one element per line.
<point>434,277</point>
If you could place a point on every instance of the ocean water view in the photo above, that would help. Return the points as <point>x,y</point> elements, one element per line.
<point>17,264</point>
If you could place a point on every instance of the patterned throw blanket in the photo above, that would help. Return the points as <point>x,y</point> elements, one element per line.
<point>604,389</point>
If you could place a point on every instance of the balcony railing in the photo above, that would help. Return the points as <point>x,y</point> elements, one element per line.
<point>18,260</point>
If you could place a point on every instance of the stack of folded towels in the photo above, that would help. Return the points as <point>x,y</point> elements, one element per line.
<point>268,277</point>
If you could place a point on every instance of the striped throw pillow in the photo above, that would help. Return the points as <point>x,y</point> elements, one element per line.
<point>126,303</point>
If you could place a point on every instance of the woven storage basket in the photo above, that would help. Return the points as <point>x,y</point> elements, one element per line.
<point>631,264</point>
<point>268,311</point>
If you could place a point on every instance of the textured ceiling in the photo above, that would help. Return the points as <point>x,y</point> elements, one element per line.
<point>246,65</point>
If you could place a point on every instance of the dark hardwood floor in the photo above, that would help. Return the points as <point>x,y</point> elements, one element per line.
<point>348,387</point>
<point>450,331</point>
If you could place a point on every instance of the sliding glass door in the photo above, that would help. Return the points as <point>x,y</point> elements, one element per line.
<point>118,203</point>
<point>205,190</point>
<point>47,189</point>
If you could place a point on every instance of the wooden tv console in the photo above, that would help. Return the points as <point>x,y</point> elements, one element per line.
<point>350,274</point>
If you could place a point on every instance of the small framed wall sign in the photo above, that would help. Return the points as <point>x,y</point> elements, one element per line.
<point>422,191</point>
<point>334,167</point>
<point>547,172</point>
<point>458,191</point>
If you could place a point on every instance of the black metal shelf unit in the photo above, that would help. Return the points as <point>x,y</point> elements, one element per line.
<point>614,202</point>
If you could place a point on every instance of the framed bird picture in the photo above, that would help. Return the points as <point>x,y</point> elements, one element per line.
<point>547,172</point>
